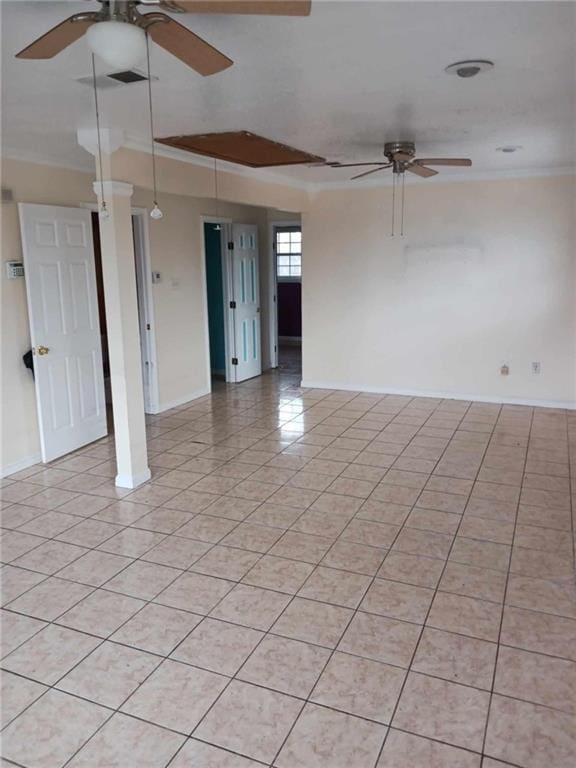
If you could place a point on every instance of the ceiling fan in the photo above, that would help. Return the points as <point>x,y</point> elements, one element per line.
<point>117,32</point>
<point>401,157</point>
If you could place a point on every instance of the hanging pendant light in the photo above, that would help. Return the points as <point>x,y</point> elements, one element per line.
<point>156,212</point>
<point>103,211</point>
<point>217,227</point>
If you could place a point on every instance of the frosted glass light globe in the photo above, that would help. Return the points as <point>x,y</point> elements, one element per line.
<point>118,43</point>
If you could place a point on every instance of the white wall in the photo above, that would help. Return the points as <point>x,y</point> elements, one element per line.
<point>179,299</point>
<point>485,275</point>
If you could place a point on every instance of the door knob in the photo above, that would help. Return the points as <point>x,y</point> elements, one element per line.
<point>41,350</point>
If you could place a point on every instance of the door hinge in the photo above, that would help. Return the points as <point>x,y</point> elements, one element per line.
<point>232,305</point>
<point>231,246</point>
<point>147,326</point>
<point>234,361</point>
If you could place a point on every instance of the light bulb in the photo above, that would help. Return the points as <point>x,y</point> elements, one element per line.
<point>104,213</point>
<point>156,213</point>
<point>118,43</point>
<point>217,228</point>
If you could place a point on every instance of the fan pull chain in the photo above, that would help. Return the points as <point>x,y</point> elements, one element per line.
<point>103,213</point>
<point>156,212</point>
<point>402,208</point>
<point>393,201</point>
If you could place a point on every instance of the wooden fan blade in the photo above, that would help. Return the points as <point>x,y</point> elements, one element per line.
<point>186,46</point>
<point>56,39</point>
<point>367,173</point>
<point>353,165</point>
<point>420,170</point>
<point>259,7</point>
<point>445,161</point>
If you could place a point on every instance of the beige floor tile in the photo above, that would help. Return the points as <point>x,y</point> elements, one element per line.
<point>16,581</point>
<point>89,533</point>
<point>540,632</point>
<point>398,601</point>
<point>249,720</point>
<point>110,674</point>
<point>177,552</point>
<point>226,562</point>
<point>94,568</point>
<point>101,613</point>
<point>321,523</point>
<point>557,597</point>
<point>16,629</point>
<point>218,646</point>
<point>14,544</point>
<point>194,592</point>
<point>50,524</point>
<point>288,666</point>
<point>530,735</point>
<point>384,512</point>
<point>50,599</point>
<point>50,654</point>
<point>370,533</point>
<point>176,696</point>
<point>232,509</point>
<point>301,546</point>
<point>469,580</point>
<point>251,606</point>
<point>330,585</point>
<point>381,639</point>
<point>162,520</point>
<point>405,750</point>
<point>484,554</point>
<point>279,574</point>
<point>200,754</point>
<point>50,557</point>
<point>486,530</point>
<point>125,741</point>
<point>17,693</point>
<point>448,712</point>
<point>465,615</point>
<point>157,629</point>
<point>411,569</point>
<point>51,730</point>
<point>206,528</point>
<point>537,678</point>
<point>433,520</point>
<point>143,580</point>
<point>357,558</point>
<point>359,686</point>
<point>313,622</point>
<point>255,538</point>
<point>274,516</point>
<point>456,658</point>
<point>132,542</point>
<point>426,543</point>
<point>323,738</point>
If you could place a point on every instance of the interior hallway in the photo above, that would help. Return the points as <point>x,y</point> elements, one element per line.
<point>312,579</point>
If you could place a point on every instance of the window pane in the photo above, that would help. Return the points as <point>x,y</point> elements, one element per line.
<point>284,261</point>
<point>283,237</point>
<point>295,260</point>
<point>295,271</point>
<point>283,271</point>
<point>296,237</point>
<point>283,248</point>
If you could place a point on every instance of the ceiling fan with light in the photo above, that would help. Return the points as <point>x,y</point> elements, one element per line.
<point>401,157</point>
<point>117,32</point>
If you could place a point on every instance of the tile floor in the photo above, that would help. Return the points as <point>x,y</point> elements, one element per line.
<point>312,579</point>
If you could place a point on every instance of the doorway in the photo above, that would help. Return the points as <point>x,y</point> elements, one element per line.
<point>287,253</point>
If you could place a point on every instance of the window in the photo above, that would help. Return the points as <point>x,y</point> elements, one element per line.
<point>288,252</point>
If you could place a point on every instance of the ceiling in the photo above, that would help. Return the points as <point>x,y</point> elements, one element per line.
<point>337,84</point>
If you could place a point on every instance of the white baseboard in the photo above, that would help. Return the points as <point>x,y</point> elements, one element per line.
<point>132,481</point>
<point>18,466</point>
<point>444,395</point>
<point>166,406</point>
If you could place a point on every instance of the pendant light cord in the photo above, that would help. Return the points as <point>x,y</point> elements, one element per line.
<point>151,117</point>
<point>98,132</point>
<point>216,184</point>
<point>402,208</point>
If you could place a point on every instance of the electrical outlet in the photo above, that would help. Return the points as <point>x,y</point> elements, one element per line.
<point>536,368</point>
<point>504,370</point>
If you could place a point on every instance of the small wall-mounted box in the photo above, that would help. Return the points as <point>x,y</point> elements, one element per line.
<point>14,269</point>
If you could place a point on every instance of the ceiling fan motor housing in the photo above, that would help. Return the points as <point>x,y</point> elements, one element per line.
<point>406,149</point>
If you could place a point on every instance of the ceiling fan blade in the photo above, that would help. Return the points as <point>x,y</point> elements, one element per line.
<point>57,38</point>
<point>367,173</point>
<point>420,170</point>
<point>259,7</point>
<point>403,156</point>
<point>445,161</point>
<point>186,46</point>
<point>352,165</point>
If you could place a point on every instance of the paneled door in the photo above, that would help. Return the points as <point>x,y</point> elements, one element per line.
<point>63,313</point>
<point>246,297</point>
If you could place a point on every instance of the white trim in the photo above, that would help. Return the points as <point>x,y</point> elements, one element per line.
<point>272,287</point>
<point>443,395</point>
<point>132,481</point>
<point>112,188</point>
<point>166,406</point>
<point>18,466</point>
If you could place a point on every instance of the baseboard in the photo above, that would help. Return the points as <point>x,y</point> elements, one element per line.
<point>444,395</point>
<point>132,481</point>
<point>167,405</point>
<point>18,466</point>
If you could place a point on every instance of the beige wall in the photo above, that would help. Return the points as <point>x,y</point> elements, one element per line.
<point>179,299</point>
<point>485,275</point>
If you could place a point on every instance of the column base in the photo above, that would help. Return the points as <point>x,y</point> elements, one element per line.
<point>132,481</point>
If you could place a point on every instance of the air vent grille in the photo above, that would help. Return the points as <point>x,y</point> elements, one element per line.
<point>114,79</point>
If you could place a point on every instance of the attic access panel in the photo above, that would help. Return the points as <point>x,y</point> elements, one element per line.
<point>241,147</point>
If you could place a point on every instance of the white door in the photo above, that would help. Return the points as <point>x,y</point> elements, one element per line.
<point>63,313</point>
<point>246,295</point>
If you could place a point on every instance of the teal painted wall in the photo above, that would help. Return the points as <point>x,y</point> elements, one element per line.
<point>215,298</point>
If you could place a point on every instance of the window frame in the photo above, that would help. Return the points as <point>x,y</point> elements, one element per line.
<point>289,228</point>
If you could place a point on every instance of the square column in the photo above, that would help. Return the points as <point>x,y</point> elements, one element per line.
<point>119,275</point>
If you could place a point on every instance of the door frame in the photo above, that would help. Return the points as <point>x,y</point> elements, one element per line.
<point>225,236</point>
<point>143,263</point>
<point>272,286</point>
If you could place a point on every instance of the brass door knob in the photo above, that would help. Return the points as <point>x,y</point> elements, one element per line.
<point>41,350</point>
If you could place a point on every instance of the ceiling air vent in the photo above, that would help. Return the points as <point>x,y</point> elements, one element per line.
<point>115,79</point>
<point>130,76</point>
